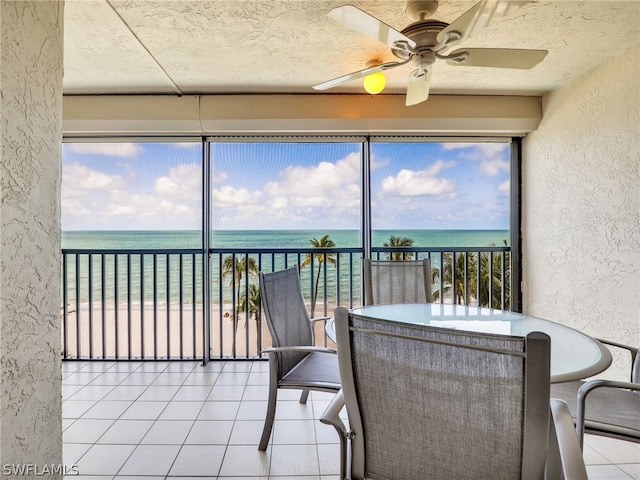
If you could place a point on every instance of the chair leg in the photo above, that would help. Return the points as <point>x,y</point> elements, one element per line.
<point>343,457</point>
<point>331,416</point>
<point>553,465</point>
<point>304,396</point>
<point>271,413</point>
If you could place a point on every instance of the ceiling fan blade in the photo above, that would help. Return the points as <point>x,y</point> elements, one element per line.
<point>478,17</point>
<point>359,74</point>
<point>497,57</point>
<point>418,87</point>
<point>369,25</point>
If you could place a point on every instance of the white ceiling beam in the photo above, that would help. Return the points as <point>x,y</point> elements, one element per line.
<point>309,114</point>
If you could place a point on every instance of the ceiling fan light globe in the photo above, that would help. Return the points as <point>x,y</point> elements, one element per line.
<point>374,83</point>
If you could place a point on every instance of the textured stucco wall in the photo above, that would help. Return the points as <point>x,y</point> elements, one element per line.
<point>30,136</point>
<point>581,204</point>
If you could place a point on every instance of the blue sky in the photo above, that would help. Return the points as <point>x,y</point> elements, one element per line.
<point>134,186</point>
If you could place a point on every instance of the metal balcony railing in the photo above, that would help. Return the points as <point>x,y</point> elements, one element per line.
<point>150,304</point>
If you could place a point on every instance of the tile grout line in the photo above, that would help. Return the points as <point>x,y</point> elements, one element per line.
<point>156,420</point>
<point>601,448</point>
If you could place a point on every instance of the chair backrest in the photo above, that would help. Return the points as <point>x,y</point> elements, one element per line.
<point>388,281</point>
<point>286,314</point>
<point>429,402</point>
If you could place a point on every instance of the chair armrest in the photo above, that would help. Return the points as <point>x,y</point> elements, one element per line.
<point>331,415</point>
<point>591,385</point>
<point>632,350</point>
<point>570,452</point>
<point>319,319</point>
<point>308,348</point>
<point>313,322</point>
<point>588,387</point>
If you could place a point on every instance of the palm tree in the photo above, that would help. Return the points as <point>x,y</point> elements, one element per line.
<point>252,307</point>
<point>236,267</point>
<point>448,265</point>
<point>491,279</point>
<point>399,242</point>
<point>324,242</point>
<point>253,304</point>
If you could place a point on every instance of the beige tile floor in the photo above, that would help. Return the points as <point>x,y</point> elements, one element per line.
<point>182,420</point>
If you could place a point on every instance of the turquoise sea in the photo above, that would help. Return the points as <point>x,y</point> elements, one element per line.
<point>114,277</point>
<point>274,238</point>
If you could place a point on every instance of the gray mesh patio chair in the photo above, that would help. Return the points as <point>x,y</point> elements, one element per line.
<point>428,402</point>
<point>294,361</point>
<point>605,407</point>
<point>388,281</point>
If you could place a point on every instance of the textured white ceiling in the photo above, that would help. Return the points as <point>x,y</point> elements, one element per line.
<point>286,46</point>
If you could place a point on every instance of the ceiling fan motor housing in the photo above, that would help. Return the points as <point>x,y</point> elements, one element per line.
<point>424,33</point>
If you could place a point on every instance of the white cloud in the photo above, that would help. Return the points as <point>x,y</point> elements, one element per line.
<point>412,183</point>
<point>147,210</point>
<point>116,210</point>
<point>124,150</point>
<point>183,181</point>
<point>166,186</point>
<point>310,185</point>
<point>494,166</point>
<point>93,200</point>
<point>379,162</point>
<point>227,195</point>
<point>278,203</point>
<point>219,177</point>
<point>505,187</point>
<point>75,207</point>
<point>490,155</point>
<point>299,196</point>
<point>326,185</point>
<point>78,179</point>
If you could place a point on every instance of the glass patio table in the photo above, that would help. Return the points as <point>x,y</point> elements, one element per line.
<point>574,355</point>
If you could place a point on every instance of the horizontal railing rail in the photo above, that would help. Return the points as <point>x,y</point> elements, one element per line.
<point>124,304</point>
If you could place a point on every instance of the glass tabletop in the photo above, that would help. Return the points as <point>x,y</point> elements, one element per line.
<point>574,355</point>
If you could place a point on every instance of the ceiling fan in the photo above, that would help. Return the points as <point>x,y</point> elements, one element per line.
<point>426,40</point>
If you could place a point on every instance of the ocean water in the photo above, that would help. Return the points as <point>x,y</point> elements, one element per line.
<point>274,238</point>
<point>120,278</point>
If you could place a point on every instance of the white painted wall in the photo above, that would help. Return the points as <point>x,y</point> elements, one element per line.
<point>30,158</point>
<point>581,204</point>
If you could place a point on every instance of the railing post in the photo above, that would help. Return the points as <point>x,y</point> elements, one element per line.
<point>206,230</point>
<point>90,306</point>
<point>116,306</point>
<point>65,309</point>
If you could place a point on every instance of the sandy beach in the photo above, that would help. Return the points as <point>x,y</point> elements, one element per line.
<point>150,331</point>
